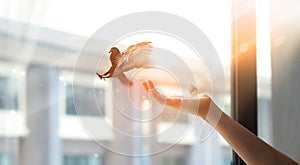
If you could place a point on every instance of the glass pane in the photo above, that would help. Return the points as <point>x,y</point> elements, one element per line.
<point>278,75</point>
<point>8,93</point>
<point>81,160</point>
<point>6,159</point>
<point>83,93</point>
<point>173,161</point>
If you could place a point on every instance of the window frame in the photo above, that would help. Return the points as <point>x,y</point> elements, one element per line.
<point>243,68</point>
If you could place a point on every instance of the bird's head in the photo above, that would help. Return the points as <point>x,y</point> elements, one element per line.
<point>114,50</point>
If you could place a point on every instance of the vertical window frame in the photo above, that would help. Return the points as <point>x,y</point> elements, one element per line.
<point>243,68</point>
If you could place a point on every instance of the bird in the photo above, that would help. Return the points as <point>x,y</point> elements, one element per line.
<point>135,56</point>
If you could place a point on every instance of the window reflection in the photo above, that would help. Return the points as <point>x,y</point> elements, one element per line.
<point>6,159</point>
<point>81,160</point>
<point>85,107</point>
<point>173,160</point>
<point>8,93</point>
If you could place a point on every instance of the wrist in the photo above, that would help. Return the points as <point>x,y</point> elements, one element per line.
<point>213,114</point>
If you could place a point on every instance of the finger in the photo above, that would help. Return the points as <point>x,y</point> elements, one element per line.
<point>150,84</point>
<point>159,97</point>
<point>145,86</point>
<point>193,90</point>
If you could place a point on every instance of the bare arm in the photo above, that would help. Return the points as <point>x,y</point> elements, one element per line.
<point>248,146</point>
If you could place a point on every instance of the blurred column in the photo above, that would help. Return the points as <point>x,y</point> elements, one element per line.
<point>120,122</point>
<point>42,145</point>
<point>140,144</point>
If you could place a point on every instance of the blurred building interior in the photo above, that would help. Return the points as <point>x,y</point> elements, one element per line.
<point>41,122</point>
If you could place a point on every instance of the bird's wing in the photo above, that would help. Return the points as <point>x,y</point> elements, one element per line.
<point>135,56</point>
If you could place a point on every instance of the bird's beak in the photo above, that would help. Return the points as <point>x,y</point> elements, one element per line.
<point>109,51</point>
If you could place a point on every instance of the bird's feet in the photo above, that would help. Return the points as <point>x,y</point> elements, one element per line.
<point>100,76</point>
<point>130,83</point>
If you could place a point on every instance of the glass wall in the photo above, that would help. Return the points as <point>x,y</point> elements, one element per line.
<point>278,58</point>
<point>44,112</point>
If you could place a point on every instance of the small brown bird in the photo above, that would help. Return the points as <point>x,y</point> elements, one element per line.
<point>135,56</point>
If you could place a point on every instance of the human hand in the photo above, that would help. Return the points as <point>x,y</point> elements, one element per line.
<point>173,102</point>
<point>198,106</point>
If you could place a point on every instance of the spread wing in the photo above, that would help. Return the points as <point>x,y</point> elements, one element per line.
<point>135,56</point>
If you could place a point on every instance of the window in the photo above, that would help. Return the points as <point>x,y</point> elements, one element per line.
<point>6,159</point>
<point>8,93</point>
<point>278,76</point>
<point>84,105</point>
<point>82,160</point>
<point>226,155</point>
<point>173,161</point>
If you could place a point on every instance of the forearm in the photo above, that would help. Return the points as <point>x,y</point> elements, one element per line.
<point>248,146</point>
